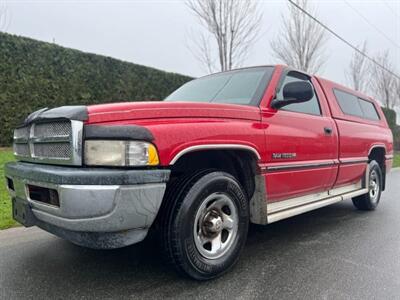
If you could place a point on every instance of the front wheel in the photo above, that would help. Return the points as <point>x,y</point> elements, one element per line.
<point>206,225</point>
<point>370,200</point>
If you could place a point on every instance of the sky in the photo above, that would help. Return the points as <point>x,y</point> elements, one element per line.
<point>159,33</point>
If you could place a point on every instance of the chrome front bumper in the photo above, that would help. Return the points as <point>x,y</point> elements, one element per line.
<point>98,208</point>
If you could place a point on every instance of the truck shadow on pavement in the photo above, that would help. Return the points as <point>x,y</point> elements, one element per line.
<point>53,266</point>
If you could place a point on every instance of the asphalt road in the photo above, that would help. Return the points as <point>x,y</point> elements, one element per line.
<point>336,252</point>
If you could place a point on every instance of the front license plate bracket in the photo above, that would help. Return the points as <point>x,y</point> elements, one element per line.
<point>22,213</point>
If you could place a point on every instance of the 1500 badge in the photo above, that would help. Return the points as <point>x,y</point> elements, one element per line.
<point>283,155</point>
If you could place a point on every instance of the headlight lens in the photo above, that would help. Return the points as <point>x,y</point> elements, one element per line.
<point>120,153</point>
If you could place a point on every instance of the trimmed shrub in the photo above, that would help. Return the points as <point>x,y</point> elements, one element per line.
<point>36,74</point>
<point>390,115</point>
<point>396,138</point>
<point>391,118</point>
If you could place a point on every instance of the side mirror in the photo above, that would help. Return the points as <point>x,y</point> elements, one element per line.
<point>294,92</point>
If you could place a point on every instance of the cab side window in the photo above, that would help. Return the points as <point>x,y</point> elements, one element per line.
<point>310,107</point>
<point>355,106</point>
<point>348,103</point>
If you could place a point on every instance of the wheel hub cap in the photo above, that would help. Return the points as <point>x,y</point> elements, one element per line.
<point>374,185</point>
<point>215,225</point>
<point>212,223</point>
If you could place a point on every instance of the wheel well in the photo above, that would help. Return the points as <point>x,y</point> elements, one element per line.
<point>241,164</point>
<point>378,154</point>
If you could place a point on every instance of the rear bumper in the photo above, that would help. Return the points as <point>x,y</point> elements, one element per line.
<point>98,208</point>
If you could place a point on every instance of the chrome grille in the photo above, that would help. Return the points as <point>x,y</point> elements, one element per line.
<point>57,142</point>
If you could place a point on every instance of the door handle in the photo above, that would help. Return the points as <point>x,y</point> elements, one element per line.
<point>328,130</point>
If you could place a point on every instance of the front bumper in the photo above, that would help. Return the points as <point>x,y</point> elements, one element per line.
<point>98,207</point>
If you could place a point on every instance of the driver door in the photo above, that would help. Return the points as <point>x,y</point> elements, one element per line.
<point>301,141</point>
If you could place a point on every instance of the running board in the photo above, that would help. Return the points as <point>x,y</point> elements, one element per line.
<point>282,211</point>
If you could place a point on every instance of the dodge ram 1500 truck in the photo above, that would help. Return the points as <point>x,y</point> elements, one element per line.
<point>257,145</point>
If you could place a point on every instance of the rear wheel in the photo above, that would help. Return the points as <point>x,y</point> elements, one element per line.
<point>370,200</point>
<point>205,224</point>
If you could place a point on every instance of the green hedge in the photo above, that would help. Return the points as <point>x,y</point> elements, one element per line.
<point>396,138</point>
<point>390,115</point>
<point>391,118</point>
<point>36,74</point>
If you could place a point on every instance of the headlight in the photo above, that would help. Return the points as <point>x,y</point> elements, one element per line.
<point>120,153</point>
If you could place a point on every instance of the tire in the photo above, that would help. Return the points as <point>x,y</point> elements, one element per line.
<point>204,224</point>
<point>371,200</point>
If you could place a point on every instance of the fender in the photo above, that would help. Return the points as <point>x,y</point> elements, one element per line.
<point>377,146</point>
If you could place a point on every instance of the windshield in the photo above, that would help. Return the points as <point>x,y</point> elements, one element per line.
<point>244,86</point>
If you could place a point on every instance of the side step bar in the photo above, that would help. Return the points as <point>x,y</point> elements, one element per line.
<point>278,215</point>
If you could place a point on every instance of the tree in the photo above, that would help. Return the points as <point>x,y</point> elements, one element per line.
<point>396,92</point>
<point>301,40</point>
<point>231,25</point>
<point>383,84</point>
<point>358,72</point>
<point>4,16</point>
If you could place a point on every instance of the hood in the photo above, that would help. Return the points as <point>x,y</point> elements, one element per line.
<point>161,110</point>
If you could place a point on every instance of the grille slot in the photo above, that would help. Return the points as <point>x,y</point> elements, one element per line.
<point>49,142</point>
<point>59,129</point>
<point>21,133</point>
<point>21,149</point>
<point>52,150</point>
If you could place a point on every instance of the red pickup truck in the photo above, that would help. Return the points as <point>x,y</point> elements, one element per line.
<point>255,145</point>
